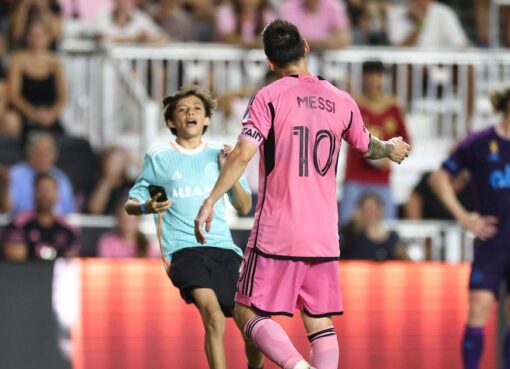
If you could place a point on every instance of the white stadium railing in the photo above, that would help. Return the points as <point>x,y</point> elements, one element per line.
<point>424,240</point>
<point>116,91</point>
<point>445,94</point>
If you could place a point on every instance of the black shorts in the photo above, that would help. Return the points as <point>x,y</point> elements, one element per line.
<point>207,267</point>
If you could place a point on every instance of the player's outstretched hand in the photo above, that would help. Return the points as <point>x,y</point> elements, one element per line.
<point>152,206</point>
<point>483,227</point>
<point>204,216</point>
<point>399,149</point>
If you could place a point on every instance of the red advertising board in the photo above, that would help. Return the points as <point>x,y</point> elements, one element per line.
<point>397,316</point>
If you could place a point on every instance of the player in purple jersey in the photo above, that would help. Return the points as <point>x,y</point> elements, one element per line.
<point>291,260</point>
<point>486,154</point>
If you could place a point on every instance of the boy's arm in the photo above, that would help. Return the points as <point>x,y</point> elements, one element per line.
<point>238,195</point>
<point>151,206</point>
<point>136,203</point>
<point>242,199</point>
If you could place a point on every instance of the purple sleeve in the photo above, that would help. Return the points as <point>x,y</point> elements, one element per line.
<point>458,160</point>
<point>355,132</point>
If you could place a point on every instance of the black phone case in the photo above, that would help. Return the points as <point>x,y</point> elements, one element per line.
<point>154,190</point>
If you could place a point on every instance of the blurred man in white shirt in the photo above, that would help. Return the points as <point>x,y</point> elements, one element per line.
<point>425,24</point>
<point>125,23</point>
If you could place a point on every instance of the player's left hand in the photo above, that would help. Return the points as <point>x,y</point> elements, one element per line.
<point>399,149</point>
<point>205,215</point>
<point>223,154</point>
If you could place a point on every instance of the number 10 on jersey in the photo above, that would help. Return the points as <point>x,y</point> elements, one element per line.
<point>304,137</point>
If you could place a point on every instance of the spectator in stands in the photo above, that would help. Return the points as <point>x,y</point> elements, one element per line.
<point>127,24</point>
<point>424,204</point>
<point>482,19</point>
<point>323,23</point>
<point>4,15</point>
<point>203,12</point>
<point>5,201</point>
<point>114,184</point>
<point>425,24</point>
<point>86,10</point>
<point>41,158</point>
<point>174,20</point>
<point>10,123</point>
<point>26,12</point>
<point>37,85</point>
<point>384,118</point>
<point>41,234</point>
<point>241,22</point>
<point>366,238</point>
<point>126,240</point>
<point>368,20</point>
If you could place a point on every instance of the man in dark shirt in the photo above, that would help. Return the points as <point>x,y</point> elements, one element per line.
<point>41,234</point>
<point>423,204</point>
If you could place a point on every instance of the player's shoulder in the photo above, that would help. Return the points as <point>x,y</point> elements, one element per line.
<point>339,93</point>
<point>161,150</point>
<point>213,148</point>
<point>278,87</point>
<point>479,136</point>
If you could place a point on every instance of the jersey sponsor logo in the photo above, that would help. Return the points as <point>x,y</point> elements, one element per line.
<point>176,176</point>
<point>253,133</point>
<point>494,150</point>
<point>452,165</point>
<point>316,103</point>
<point>500,179</point>
<point>191,191</point>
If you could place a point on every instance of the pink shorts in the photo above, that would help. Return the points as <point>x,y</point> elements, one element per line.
<point>278,287</point>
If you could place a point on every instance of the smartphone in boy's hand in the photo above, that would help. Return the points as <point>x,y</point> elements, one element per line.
<point>154,190</point>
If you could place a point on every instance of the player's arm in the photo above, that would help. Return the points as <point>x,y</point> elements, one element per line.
<point>483,227</point>
<point>395,149</point>
<point>234,166</point>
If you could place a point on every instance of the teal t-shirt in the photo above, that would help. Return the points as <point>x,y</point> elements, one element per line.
<point>188,177</point>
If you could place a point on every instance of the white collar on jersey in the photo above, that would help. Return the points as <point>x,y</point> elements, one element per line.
<point>184,150</point>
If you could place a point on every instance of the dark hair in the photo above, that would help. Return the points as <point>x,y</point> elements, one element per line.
<point>373,66</point>
<point>170,102</point>
<point>370,196</point>
<point>43,176</point>
<point>500,100</point>
<point>283,44</point>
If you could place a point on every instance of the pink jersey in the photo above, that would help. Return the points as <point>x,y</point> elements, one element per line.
<point>299,123</point>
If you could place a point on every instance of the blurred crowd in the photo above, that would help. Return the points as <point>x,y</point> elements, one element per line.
<point>44,183</point>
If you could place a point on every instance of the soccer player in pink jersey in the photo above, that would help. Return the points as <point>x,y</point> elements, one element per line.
<point>291,260</point>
